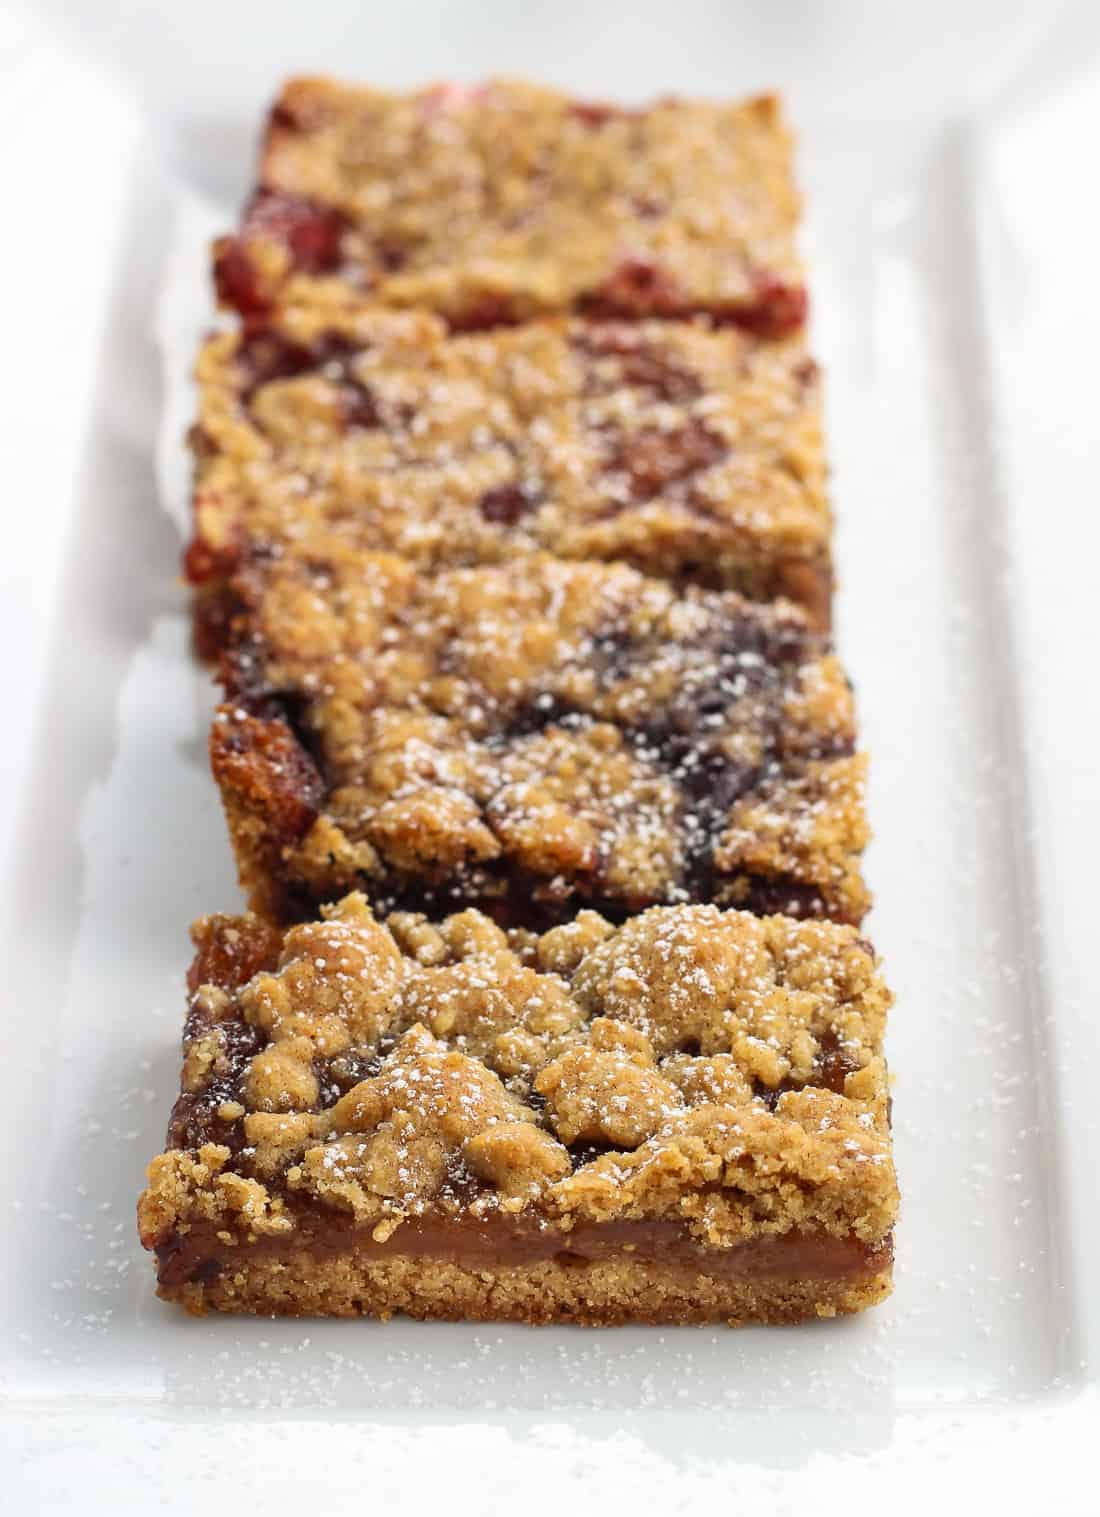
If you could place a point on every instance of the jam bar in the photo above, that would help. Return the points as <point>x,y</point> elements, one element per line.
<point>506,201</point>
<point>694,454</point>
<point>531,739</point>
<point>683,1119</point>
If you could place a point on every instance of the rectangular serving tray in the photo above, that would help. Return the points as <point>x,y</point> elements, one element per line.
<point>953,257</point>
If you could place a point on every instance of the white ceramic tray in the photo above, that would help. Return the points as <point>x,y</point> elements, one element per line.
<point>954,254</point>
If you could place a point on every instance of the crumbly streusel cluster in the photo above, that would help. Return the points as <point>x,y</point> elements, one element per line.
<point>507,201</point>
<point>533,742</point>
<point>694,454</point>
<point>719,1068</point>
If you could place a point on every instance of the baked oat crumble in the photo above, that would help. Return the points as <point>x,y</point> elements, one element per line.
<point>532,742</point>
<point>507,201</point>
<point>371,1080</point>
<point>512,540</point>
<point>695,455</point>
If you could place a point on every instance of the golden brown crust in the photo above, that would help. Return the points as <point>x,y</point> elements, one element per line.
<point>531,742</point>
<point>507,201</point>
<point>276,792</point>
<point>695,455</point>
<point>596,1293</point>
<point>384,1073</point>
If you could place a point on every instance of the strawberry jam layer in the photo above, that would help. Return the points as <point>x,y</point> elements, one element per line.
<point>502,1243</point>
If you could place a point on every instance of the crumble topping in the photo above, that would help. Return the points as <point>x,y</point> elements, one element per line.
<point>503,201</point>
<point>573,734</point>
<point>714,1067</point>
<point>695,455</point>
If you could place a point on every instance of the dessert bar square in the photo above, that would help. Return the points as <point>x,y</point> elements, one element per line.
<point>695,454</point>
<point>682,1119</point>
<point>530,739</point>
<point>505,201</point>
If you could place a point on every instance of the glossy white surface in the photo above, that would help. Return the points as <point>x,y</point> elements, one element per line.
<point>953,261</point>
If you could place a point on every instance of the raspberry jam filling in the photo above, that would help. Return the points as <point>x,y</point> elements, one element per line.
<point>514,1242</point>
<point>310,233</point>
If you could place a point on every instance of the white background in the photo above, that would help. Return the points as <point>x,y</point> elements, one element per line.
<point>948,152</point>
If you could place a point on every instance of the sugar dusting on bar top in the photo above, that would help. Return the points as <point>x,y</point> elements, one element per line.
<point>532,743</point>
<point>679,1119</point>
<point>507,201</point>
<point>552,1005</point>
<point>693,453</point>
